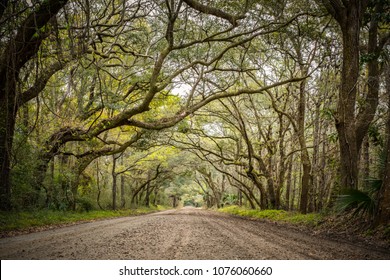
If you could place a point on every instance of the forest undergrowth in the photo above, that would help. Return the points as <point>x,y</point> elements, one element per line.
<point>347,227</point>
<point>16,223</point>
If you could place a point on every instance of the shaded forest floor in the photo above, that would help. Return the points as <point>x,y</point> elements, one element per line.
<point>354,229</point>
<point>344,227</point>
<point>17,223</point>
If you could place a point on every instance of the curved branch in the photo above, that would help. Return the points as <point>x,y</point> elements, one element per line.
<point>213,11</point>
<point>169,122</point>
<point>26,44</point>
<point>41,82</point>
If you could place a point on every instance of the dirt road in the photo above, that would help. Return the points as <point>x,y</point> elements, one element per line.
<point>188,233</point>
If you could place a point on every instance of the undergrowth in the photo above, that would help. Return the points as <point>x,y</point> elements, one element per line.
<point>311,219</point>
<point>10,221</point>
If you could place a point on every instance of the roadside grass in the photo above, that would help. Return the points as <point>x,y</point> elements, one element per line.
<point>311,220</point>
<point>19,221</point>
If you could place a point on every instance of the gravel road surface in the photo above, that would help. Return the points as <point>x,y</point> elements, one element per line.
<point>187,233</point>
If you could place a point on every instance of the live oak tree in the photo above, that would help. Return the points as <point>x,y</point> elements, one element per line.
<point>352,123</point>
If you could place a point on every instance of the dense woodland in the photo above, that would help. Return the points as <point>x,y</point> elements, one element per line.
<point>113,104</point>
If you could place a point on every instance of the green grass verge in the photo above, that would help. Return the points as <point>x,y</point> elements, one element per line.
<point>311,219</point>
<point>10,221</point>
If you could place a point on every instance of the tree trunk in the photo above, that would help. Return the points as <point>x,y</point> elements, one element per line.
<point>114,182</point>
<point>147,192</point>
<point>305,183</point>
<point>263,195</point>
<point>349,17</point>
<point>294,191</point>
<point>366,162</point>
<point>174,201</point>
<point>383,214</point>
<point>288,183</point>
<point>282,165</point>
<point>351,129</point>
<point>323,182</point>
<point>98,185</point>
<point>315,197</point>
<point>7,126</point>
<point>123,199</point>
<point>305,158</point>
<point>133,203</point>
<point>239,195</point>
<point>8,110</point>
<point>155,199</point>
<point>248,198</point>
<point>345,122</point>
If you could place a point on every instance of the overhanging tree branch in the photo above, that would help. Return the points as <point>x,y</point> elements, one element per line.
<point>213,11</point>
<point>169,122</point>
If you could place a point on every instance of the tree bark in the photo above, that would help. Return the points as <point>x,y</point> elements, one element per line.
<point>263,195</point>
<point>288,183</point>
<point>383,213</point>
<point>282,163</point>
<point>7,126</point>
<point>345,122</point>
<point>366,162</point>
<point>122,178</point>
<point>114,182</point>
<point>147,192</point>
<point>123,199</point>
<point>98,185</point>
<point>349,15</point>
<point>305,158</point>
<point>155,198</point>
